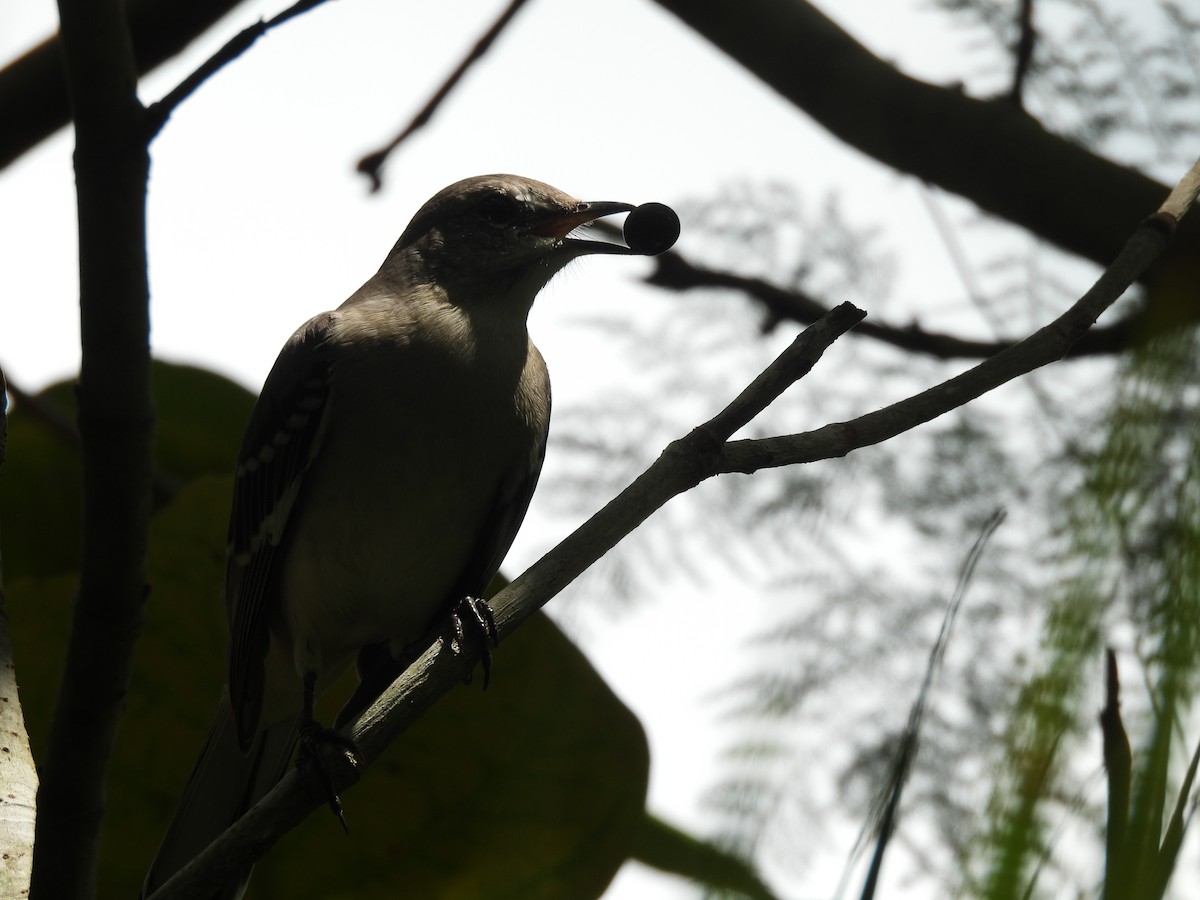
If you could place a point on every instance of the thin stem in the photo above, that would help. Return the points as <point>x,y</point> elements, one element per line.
<point>372,164</point>
<point>1044,346</point>
<point>161,110</point>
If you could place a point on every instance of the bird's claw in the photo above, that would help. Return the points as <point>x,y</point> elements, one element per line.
<point>477,614</point>
<point>312,761</point>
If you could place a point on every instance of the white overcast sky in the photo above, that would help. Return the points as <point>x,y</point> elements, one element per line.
<point>257,221</point>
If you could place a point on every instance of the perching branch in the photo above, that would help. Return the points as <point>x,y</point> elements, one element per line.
<point>704,452</point>
<point>371,164</point>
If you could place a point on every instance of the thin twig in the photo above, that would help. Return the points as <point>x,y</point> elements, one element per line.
<point>789,367</point>
<point>886,809</point>
<point>1165,864</point>
<point>958,257</point>
<point>1183,196</point>
<point>1046,345</point>
<point>673,272</point>
<point>371,164</point>
<point>158,112</point>
<point>1023,51</point>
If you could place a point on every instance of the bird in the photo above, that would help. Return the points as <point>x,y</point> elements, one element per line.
<point>384,472</point>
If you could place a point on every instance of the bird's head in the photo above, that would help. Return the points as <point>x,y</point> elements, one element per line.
<point>499,234</point>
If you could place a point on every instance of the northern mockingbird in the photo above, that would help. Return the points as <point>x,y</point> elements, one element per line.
<point>383,475</point>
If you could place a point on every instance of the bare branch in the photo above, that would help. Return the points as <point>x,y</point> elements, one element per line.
<point>371,164</point>
<point>674,272</point>
<point>160,111</point>
<point>1023,51</point>
<point>1044,346</point>
<point>1183,196</point>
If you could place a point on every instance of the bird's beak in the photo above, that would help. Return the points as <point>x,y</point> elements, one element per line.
<point>559,226</point>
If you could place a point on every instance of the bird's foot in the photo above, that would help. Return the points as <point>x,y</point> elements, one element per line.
<point>475,614</point>
<point>319,746</point>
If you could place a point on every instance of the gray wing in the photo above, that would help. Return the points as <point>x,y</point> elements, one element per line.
<point>281,440</point>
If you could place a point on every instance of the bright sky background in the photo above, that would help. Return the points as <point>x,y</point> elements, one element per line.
<point>257,221</point>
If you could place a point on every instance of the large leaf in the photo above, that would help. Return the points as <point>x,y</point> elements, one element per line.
<point>200,417</point>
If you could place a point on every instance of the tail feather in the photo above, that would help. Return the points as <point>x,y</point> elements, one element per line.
<point>224,783</point>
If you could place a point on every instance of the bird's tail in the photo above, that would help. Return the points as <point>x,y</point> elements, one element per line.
<point>224,783</point>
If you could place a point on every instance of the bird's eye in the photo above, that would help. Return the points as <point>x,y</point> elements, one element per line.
<point>499,209</point>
